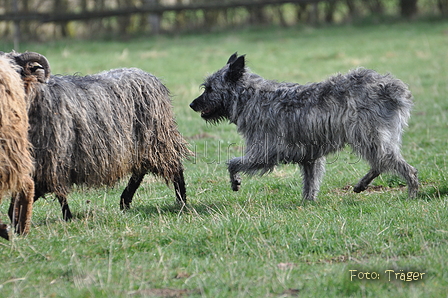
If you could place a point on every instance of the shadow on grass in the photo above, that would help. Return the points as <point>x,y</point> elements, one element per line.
<point>96,217</point>
<point>200,209</point>
<point>427,192</point>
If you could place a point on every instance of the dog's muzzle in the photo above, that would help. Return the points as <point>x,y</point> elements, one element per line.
<point>194,104</point>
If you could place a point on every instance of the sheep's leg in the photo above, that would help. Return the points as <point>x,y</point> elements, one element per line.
<point>66,214</point>
<point>129,191</point>
<point>179,187</point>
<point>37,195</point>
<point>26,201</point>
<point>21,208</point>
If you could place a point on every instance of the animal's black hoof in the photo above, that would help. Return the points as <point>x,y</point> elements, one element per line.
<point>4,231</point>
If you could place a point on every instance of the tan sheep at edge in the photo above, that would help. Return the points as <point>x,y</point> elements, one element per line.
<point>16,164</point>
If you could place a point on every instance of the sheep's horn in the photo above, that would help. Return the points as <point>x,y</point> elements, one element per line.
<point>24,58</point>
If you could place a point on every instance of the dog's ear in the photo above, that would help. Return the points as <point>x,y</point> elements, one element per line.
<point>232,58</point>
<point>236,69</point>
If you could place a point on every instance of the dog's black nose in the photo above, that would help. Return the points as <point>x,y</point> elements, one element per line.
<point>192,105</point>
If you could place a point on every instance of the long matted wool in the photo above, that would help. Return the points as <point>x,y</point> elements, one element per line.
<point>16,164</point>
<point>94,130</point>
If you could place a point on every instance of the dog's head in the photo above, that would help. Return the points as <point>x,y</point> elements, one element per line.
<point>220,90</point>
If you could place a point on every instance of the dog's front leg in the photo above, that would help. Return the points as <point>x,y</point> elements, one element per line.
<point>250,164</point>
<point>234,166</point>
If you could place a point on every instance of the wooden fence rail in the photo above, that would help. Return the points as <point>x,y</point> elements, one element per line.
<point>149,8</point>
<point>124,16</point>
<point>152,8</point>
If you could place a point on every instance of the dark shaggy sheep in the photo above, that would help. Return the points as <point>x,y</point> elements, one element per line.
<point>15,158</point>
<point>95,130</point>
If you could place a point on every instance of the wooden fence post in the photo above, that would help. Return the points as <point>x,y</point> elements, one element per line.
<point>15,9</point>
<point>153,18</point>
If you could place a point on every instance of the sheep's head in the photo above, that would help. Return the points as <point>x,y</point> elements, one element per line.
<point>31,64</point>
<point>34,64</point>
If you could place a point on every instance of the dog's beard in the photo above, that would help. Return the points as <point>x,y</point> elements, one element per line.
<point>209,113</point>
<point>213,115</point>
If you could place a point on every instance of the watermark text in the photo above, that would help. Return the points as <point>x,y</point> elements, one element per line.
<point>388,275</point>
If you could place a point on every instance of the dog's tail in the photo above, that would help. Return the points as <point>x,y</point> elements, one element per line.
<point>384,105</point>
<point>389,95</point>
<point>398,100</point>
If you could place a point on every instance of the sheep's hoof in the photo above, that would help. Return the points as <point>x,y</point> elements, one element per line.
<point>4,231</point>
<point>124,207</point>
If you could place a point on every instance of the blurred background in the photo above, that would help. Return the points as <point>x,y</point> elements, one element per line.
<point>261,241</point>
<point>43,20</point>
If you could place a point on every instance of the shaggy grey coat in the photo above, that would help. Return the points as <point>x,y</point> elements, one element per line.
<point>293,123</point>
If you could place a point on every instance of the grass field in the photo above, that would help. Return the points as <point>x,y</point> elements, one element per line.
<point>261,241</point>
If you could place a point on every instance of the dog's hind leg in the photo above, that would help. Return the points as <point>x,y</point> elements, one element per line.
<point>365,181</point>
<point>312,172</point>
<point>408,172</point>
<point>391,161</point>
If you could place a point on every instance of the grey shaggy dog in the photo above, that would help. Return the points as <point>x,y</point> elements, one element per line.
<point>95,130</point>
<point>292,123</point>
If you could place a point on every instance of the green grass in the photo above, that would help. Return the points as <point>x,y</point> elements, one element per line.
<point>261,241</point>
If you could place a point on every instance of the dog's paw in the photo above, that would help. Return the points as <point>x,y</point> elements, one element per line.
<point>359,188</point>
<point>236,187</point>
<point>236,184</point>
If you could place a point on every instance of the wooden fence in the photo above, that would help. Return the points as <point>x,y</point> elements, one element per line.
<point>152,8</point>
<point>30,17</point>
